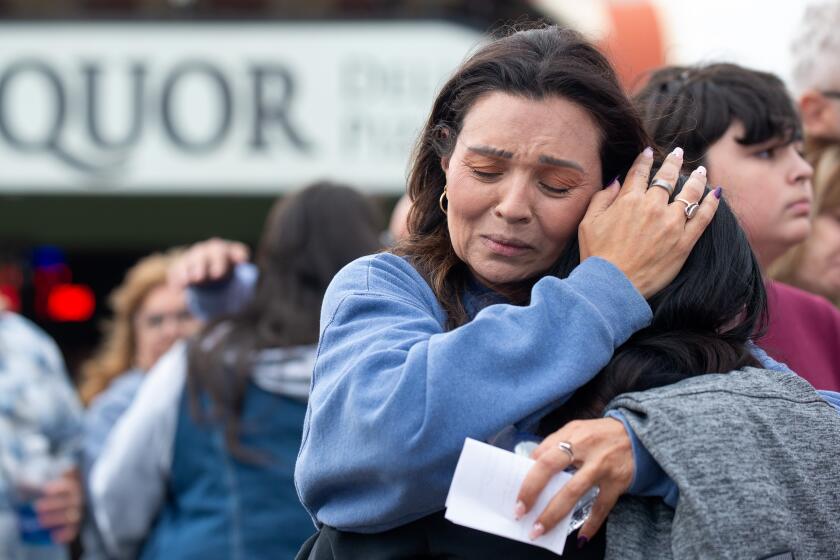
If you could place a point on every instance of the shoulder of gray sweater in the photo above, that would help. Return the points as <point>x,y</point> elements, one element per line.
<point>747,382</point>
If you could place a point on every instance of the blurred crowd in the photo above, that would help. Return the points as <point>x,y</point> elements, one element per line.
<point>187,419</point>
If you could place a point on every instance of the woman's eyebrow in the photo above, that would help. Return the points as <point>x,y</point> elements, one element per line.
<point>549,160</point>
<point>491,151</point>
<point>544,159</point>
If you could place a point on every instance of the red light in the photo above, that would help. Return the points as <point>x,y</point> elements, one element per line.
<point>70,303</point>
<point>9,298</point>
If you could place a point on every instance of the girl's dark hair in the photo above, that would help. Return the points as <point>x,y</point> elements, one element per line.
<point>702,323</point>
<point>693,106</point>
<point>535,64</point>
<point>307,238</point>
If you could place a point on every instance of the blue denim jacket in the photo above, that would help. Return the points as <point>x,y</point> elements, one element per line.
<point>167,486</point>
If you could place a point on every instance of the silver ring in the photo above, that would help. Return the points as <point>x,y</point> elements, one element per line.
<point>691,208</point>
<point>566,447</point>
<point>663,184</point>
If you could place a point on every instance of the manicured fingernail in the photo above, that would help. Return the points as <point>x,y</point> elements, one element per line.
<point>717,192</point>
<point>678,152</point>
<point>582,541</point>
<point>648,152</point>
<point>519,511</point>
<point>700,170</point>
<point>537,531</point>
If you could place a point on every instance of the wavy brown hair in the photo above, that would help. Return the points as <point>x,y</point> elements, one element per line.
<point>115,354</point>
<point>535,64</point>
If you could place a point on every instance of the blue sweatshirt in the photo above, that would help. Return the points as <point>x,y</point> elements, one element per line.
<point>424,319</point>
<point>394,394</point>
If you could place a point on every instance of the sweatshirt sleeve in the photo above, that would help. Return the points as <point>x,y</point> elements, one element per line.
<point>128,480</point>
<point>213,299</point>
<point>831,398</point>
<point>649,479</point>
<point>394,394</point>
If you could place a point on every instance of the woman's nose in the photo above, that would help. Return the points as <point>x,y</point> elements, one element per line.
<point>515,200</point>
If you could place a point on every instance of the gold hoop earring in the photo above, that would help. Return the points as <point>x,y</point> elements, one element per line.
<point>441,199</point>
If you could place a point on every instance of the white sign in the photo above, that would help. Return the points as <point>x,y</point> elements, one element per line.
<point>216,108</point>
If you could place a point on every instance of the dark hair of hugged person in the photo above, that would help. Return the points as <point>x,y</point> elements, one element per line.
<point>703,322</point>
<point>308,237</point>
<point>534,64</point>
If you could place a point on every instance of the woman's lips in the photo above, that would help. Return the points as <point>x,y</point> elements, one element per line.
<point>504,246</point>
<point>800,207</point>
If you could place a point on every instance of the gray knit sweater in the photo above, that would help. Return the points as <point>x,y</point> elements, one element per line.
<point>756,457</point>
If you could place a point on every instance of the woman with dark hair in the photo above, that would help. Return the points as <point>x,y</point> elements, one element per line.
<point>468,326</point>
<point>201,465</point>
<point>743,126</point>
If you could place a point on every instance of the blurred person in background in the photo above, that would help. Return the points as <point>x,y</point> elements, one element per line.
<point>149,315</point>
<point>40,440</point>
<point>219,279</point>
<point>201,465</point>
<point>398,224</point>
<point>816,70</point>
<point>814,264</point>
<point>743,126</point>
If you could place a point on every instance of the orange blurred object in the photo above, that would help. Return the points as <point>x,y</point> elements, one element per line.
<point>635,43</point>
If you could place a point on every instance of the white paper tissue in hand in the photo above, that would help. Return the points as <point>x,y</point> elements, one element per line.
<point>483,495</point>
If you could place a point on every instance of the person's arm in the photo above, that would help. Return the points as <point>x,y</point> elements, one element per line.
<point>648,477</point>
<point>128,481</point>
<point>766,361</point>
<point>831,398</point>
<point>216,274</point>
<point>210,300</point>
<point>412,392</point>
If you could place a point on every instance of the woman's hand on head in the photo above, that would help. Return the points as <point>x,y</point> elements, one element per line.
<point>207,261</point>
<point>603,456</point>
<point>633,226</point>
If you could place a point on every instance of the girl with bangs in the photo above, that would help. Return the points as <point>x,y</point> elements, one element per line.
<point>742,125</point>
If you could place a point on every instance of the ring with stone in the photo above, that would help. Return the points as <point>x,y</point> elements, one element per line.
<point>691,208</point>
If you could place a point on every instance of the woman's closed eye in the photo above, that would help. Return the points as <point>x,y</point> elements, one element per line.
<point>559,183</point>
<point>485,174</point>
<point>554,190</point>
